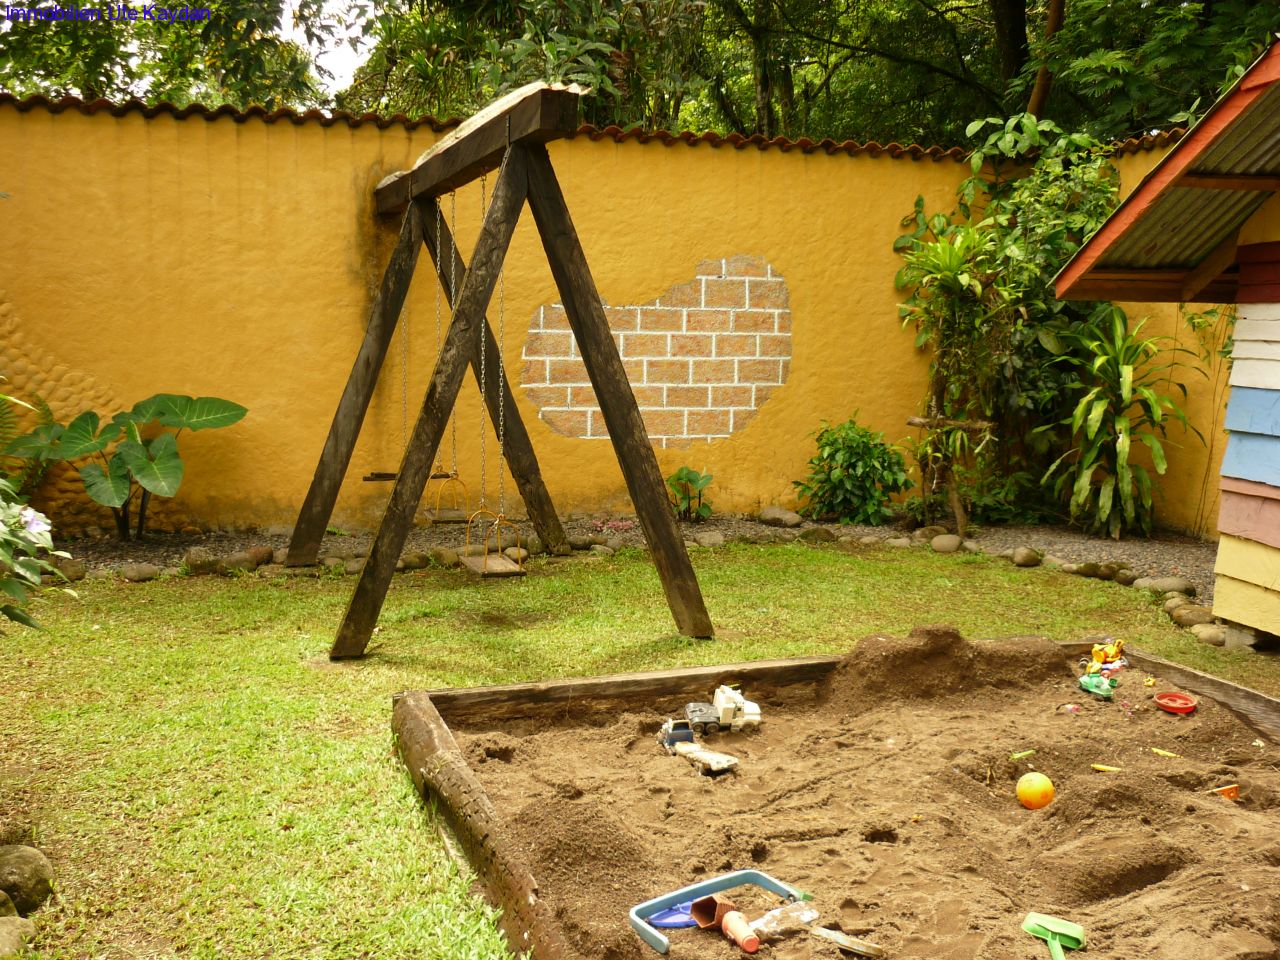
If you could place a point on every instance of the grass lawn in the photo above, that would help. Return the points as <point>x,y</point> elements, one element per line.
<point>208,785</point>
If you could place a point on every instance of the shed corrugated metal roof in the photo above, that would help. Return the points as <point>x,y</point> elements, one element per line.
<point>1173,239</point>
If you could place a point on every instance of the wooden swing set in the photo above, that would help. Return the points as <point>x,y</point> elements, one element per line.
<point>509,136</point>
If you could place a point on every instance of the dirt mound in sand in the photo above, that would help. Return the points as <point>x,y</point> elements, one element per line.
<point>936,661</point>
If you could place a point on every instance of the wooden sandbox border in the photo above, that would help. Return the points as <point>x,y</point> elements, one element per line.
<point>441,774</point>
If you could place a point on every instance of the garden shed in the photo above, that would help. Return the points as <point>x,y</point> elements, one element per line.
<point>1204,226</point>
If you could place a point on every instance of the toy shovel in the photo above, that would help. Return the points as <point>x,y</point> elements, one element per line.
<point>1057,933</point>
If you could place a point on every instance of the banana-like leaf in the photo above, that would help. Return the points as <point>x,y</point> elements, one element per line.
<point>1122,439</point>
<point>155,464</point>
<point>1105,494</point>
<point>1157,452</point>
<point>18,615</point>
<point>1126,383</point>
<point>197,413</point>
<point>1080,494</point>
<point>1124,479</point>
<point>1095,417</point>
<point>108,487</point>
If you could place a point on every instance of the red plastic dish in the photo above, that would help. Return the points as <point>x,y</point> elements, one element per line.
<point>1175,702</point>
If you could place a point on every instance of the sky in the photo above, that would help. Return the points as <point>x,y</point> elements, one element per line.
<point>338,57</point>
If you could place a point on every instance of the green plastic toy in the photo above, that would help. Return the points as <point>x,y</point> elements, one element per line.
<point>1098,685</point>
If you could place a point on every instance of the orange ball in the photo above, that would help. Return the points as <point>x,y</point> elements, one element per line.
<point>1035,790</point>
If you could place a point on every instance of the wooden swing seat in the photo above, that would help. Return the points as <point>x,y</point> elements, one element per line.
<point>378,476</point>
<point>493,565</point>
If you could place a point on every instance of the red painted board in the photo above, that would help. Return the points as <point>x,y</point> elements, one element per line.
<point>1250,518</point>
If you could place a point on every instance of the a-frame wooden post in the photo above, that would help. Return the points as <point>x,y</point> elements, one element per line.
<point>604,366</point>
<point>455,354</point>
<point>341,441</point>
<point>511,133</point>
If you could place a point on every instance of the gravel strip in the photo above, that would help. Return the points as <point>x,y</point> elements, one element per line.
<point>1162,555</point>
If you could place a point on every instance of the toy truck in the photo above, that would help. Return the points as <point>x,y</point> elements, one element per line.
<point>728,710</point>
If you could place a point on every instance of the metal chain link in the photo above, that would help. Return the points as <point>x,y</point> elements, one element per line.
<point>453,293</point>
<point>439,332</point>
<point>502,390</point>
<point>484,499</point>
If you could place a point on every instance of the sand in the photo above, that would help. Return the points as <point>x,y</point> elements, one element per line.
<point>889,795</point>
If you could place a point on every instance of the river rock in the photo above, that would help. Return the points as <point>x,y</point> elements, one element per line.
<point>1049,560</point>
<point>15,934</point>
<point>239,562</point>
<point>925,534</point>
<point>601,550</point>
<point>785,535</point>
<point>945,543</point>
<point>332,563</point>
<point>776,516</point>
<point>472,550</point>
<point>261,555</point>
<point>7,909</point>
<point>1166,585</point>
<point>516,554</point>
<point>580,543</point>
<point>1213,634</point>
<point>139,572</point>
<point>26,876</point>
<point>817,535</point>
<point>199,561</point>
<point>415,559</point>
<point>1239,637</point>
<point>73,568</point>
<point>1025,557</point>
<point>703,538</point>
<point>1190,614</point>
<point>1126,577</point>
<point>272,570</point>
<point>444,556</point>
<point>1173,603</point>
<point>280,555</point>
<point>898,542</point>
<point>354,565</point>
<point>502,538</point>
<point>535,545</point>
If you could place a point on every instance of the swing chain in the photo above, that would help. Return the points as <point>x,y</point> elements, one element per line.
<point>453,293</point>
<point>484,498</point>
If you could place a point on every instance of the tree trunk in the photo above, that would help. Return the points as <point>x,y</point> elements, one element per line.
<point>1010,19</point>
<point>1044,79</point>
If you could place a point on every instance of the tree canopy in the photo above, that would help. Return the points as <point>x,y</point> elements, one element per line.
<point>904,70</point>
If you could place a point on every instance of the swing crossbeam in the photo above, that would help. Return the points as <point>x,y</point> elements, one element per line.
<point>526,176</point>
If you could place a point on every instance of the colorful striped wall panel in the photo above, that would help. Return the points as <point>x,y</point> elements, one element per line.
<point>1247,573</point>
<point>1246,603</point>
<point>1250,510</point>
<point>1253,456</point>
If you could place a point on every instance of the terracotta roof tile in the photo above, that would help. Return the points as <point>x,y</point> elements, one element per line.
<point>328,118</point>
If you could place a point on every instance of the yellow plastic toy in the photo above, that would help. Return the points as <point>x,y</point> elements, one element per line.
<point>1103,653</point>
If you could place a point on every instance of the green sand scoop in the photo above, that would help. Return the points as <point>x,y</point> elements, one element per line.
<point>1057,933</point>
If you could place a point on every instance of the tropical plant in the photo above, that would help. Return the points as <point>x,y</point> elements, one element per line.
<point>1119,403</point>
<point>133,460</point>
<point>25,474</point>
<point>686,487</point>
<point>852,475</point>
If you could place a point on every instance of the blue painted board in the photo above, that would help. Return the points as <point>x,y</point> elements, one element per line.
<point>1253,456</point>
<point>1254,410</point>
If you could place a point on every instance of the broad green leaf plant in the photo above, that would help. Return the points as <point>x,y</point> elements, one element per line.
<point>852,475</point>
<point>1120,403</point>
<point>132,460</point>
<point>686,486</point>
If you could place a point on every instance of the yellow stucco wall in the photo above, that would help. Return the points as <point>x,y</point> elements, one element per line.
<point>239,258</point>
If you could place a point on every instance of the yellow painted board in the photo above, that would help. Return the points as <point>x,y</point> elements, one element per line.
<point>1249,561</point>
<point>1246,603</point>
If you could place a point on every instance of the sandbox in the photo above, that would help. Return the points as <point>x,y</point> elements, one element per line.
<point>881,783</point>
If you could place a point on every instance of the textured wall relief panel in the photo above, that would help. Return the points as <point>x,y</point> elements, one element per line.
<point>702,358</point>
<point>32,371</point>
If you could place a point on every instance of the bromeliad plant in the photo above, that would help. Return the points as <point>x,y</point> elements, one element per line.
<point>686,486</point>
<point>1119,403</point>
<point>132,459</point>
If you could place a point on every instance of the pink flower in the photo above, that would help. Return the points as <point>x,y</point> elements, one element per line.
<point>34,520</point>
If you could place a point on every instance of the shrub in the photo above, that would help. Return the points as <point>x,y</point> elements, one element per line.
<point>137,462</point>
<point>686,490</point>
<point>853,475</point>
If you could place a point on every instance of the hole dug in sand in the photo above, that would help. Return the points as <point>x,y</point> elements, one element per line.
<point>888,793</point>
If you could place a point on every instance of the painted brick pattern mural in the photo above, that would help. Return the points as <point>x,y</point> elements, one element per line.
<point>702,358</point>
